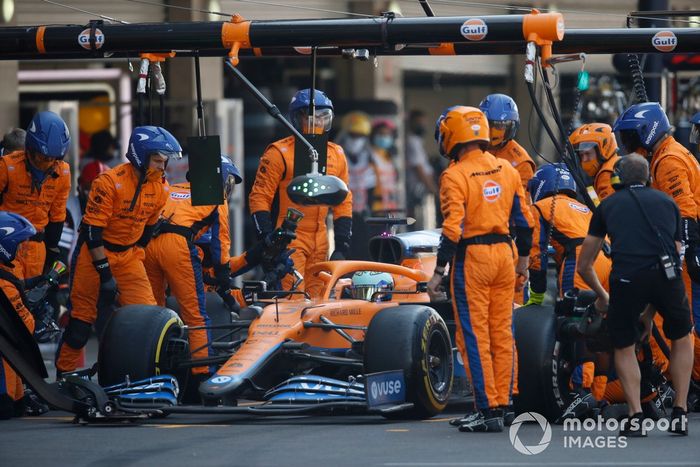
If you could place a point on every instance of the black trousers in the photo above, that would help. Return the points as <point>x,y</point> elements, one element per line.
<point>629,296</point>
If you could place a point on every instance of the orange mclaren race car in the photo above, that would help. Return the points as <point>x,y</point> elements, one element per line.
<point>365,344</point>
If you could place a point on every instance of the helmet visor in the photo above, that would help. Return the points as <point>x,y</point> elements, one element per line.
<point>365,292</point>
<point>629,141</point>
<point>501,131</point>
<point>695,134</point>
<point>317,124</point>
<point>174,155</point>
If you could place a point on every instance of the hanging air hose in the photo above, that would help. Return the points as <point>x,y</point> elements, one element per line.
<point>640,90</point>
<point>567,151</point>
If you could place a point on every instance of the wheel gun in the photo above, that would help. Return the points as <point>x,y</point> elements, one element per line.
<point>45,327</point>
<point>275,245</point>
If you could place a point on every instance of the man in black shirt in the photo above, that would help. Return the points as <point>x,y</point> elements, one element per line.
<point>644,226</point>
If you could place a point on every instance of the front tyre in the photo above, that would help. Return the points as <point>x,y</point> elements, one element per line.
<point>414,339</point>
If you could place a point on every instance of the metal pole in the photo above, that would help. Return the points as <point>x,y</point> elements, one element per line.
<point>202,131</point>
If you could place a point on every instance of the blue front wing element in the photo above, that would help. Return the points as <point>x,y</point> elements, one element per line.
<point>316,389</point>
<point>150,392</point>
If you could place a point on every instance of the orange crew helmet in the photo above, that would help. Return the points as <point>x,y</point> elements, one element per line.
<point>594,143</point>
<point>459,125</point>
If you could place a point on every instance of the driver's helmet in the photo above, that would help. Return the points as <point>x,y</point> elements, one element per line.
<point>367,283</point>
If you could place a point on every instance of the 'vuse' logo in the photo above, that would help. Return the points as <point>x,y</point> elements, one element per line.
<point>474,29</point>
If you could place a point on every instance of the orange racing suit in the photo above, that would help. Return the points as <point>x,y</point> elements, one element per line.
<point>602,182</point>
<point>481,197</point>
<point>43,204</point>
<point>275,172</point>
<point>122,232</point>
<point>518,158</point>
<point>172,259</point>
<point>676,172</point>
<point>567,230</point>
<point>10,382</point>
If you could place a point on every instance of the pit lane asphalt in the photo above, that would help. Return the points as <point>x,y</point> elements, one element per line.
<point>195,440</point>
<point>52,440</point>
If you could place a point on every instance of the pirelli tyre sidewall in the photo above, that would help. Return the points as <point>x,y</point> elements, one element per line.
<point>542,368</point>
<point>136,343</point>
<point>415,339</point>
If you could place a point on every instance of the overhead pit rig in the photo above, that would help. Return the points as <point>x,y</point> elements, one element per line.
<point>539,36</point>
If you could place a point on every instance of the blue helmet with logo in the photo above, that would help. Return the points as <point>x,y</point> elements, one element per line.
<point>230,174</point>
<point>14,229</point>
<point>48,135</point>
<point>299,111</point>
<point>549,180</point>
<point>502,113</point>
<point>695,131</point>
<point>148,140</point>
<point>641,126</point>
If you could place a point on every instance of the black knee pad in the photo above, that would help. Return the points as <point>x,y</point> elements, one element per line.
<point>77,333</point>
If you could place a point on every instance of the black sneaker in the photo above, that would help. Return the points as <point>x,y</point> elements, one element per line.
<point>694,396</point>
<point>33,404</point>
<point>631,426</point>
<point>582,404</point>
<point>679,422</point>
<point>652,409</point>
<point>7,407</point>
<point>466,419</point>
<point>508,415</point>
<point>487,421</point>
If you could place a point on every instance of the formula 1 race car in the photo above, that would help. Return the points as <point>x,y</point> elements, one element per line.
<point>304,355</point>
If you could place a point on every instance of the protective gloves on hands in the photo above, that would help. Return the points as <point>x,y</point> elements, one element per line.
<point>536,298</point>
<point>108,286</point>
<point>692,261</point>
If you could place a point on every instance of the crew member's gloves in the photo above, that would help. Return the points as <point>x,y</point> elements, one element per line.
<point>52,255</point>
<point>222,274</point>
<point>229,300</point>
<point>44,325</point>
<point>263,223</point>
<point>283,265</point>
<point>342,230</point>
<point>692,261</point>
<point>279,236</point>
<point>274,244</point>
<point>690,235</point>
<point>342,249</point>
<point>108,286</point>
<point>536,298</point>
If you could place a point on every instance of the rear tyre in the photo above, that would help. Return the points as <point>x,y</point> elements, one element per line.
<point>543,372</point>
<point>414,339</point>
<point>142,341</point>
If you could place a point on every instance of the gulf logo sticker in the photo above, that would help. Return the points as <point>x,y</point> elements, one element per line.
<point>474,29</point>
<point>664,41</point>
<point>491,190</point>
<point>84,39</point>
